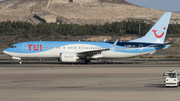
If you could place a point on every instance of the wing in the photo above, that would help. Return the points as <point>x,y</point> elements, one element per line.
<point>95,52</point>
<point>91,53</point>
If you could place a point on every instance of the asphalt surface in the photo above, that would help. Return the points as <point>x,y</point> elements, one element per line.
<point>80,82</point>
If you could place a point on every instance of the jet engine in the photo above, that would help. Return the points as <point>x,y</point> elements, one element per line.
<point>68,57</point>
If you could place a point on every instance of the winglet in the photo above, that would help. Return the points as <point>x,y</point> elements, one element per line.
<point>104,40</point>
<point>114,45</point>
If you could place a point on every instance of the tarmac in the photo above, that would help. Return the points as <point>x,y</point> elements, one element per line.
<point>79,82</point>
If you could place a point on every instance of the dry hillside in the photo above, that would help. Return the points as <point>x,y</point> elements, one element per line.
<point>81,12</point>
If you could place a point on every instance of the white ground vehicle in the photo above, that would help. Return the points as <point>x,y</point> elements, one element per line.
<point>172,78</point>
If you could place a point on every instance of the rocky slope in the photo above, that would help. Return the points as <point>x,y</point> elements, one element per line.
<point>82,12</point>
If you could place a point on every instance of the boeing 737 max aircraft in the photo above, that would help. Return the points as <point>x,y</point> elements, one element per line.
<point>69,51</point>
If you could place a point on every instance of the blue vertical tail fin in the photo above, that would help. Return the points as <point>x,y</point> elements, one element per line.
<point>157,33</point>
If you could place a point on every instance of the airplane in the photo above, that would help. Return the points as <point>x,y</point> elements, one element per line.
<point>72,51</point>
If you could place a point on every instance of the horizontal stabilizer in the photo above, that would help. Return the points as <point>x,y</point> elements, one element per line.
<point>160,45</point>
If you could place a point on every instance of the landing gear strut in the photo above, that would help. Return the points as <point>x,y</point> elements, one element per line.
<point>20,62</point>
<point>18,58</point>
<point>87,61</point>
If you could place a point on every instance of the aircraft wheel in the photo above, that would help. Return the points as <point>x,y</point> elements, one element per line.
<point>87,61</point>
<point>20,62</point>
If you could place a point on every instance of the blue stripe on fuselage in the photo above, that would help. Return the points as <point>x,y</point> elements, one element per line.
<point>126,47</point>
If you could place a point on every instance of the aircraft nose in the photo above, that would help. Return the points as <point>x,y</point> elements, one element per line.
<point>5,52</point>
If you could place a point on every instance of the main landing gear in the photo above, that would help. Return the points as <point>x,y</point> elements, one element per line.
<point>87,61</point>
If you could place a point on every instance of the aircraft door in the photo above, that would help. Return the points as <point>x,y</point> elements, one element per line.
<point>140,48</point>
<point>79,48</point>
<point>24,47</point>
<point>75,48</point>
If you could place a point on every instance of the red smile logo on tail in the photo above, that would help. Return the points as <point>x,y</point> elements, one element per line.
<point>158,36</point>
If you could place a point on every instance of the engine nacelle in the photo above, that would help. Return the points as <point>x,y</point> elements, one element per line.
<point>68,57</point>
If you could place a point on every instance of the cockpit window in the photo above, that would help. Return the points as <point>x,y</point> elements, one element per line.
<point>171,75</point>
<point>13,46</point>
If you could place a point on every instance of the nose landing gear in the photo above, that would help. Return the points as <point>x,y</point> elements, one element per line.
<point>20,61</point>
<point>18,58</point>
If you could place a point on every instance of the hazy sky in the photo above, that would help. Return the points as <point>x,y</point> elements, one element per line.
<point>166,5</point>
